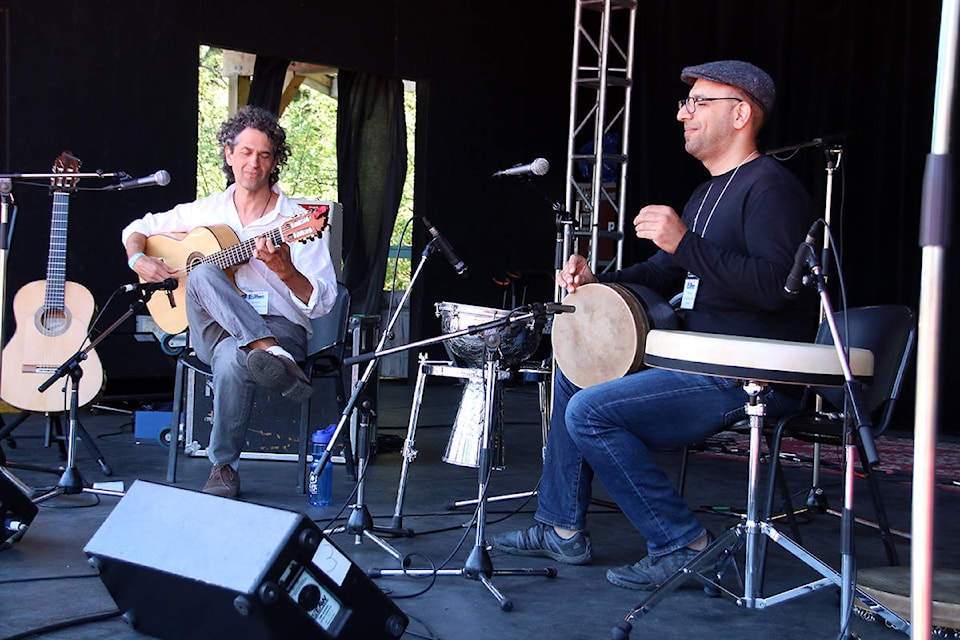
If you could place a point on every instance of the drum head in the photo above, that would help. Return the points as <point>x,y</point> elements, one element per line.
<point>604,339</point>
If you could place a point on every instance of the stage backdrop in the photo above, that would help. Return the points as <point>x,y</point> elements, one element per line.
<point>115,82</point>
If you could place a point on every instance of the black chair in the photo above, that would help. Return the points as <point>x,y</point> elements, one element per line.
<point>325,350</point>
<point>888,331</point>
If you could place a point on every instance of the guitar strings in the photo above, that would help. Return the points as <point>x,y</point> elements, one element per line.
<point>240,252</point>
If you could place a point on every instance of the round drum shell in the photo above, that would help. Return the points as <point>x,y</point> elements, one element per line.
<point>604,338</point>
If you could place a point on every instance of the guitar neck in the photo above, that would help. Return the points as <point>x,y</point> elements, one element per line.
<point>57,257</point>
<point>238,253</point>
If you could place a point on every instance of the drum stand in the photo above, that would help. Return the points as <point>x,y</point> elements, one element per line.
<point>478,565</point>
<point>710,565</point>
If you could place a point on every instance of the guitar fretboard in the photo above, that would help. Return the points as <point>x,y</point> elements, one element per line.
<point>57,258</point>
<point>238,253</point>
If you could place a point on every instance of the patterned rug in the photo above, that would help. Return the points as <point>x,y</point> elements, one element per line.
<point>895,453</point>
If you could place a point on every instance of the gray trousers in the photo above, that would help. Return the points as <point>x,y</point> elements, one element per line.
<point>222,324</point>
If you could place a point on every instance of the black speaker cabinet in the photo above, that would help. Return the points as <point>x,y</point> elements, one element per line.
<point>16,509</point>
<point>183,564</point>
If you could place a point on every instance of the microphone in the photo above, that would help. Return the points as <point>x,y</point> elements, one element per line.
<point>168,284</point>
<point>538,167</point>
<point>553,307</point>
<point>445,247</point>
<point>833,140</point>
<point>805,252</point>
<point>160,178</point>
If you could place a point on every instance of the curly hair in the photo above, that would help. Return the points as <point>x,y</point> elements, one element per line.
<point>253,117</point>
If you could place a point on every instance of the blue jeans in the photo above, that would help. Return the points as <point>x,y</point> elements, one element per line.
<point>611,429</point>
<point>222,324</point>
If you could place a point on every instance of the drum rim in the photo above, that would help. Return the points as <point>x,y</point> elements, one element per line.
<point>627,300</point>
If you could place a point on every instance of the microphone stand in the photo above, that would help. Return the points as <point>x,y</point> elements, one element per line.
<point>72,482</point>
<point>564,221</point>
<point>855,413</point>
<point>6,202</point>
<point>360,522</point>
<point>816,501</point>
<point>478,565</point>
<point>816,498</point>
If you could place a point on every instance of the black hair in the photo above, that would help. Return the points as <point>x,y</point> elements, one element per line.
<point>253,117</point>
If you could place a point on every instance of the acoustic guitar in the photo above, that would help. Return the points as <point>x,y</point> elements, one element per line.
<point>52,318</point>
<point>218,245</point>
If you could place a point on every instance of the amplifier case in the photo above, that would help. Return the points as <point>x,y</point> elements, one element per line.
<point>183,564</point>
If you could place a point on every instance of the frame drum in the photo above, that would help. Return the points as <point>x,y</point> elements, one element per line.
<point>890,586</point>
<point>604,339</point>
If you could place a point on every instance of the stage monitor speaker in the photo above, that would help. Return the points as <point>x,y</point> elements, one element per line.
<point>183,564</point>
<point>16,509</point>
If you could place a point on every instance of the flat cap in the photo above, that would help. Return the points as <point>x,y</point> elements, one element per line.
<point>752,80</point>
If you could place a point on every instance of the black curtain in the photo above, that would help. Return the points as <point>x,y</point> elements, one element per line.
<point>266,87</point>
<point>372,165</point>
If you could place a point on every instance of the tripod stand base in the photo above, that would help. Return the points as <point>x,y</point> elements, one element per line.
<point>477,567</point>
<point>710,566</point>
<point>72,483</point>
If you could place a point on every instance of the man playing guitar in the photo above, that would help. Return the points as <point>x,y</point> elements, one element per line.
<point>251,329</point>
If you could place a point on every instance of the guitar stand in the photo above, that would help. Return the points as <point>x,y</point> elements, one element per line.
<point>72,482</point>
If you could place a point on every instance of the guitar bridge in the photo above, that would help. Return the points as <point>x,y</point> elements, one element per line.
<point>38,368</point>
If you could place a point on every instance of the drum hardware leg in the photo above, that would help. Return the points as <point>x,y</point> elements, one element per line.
<point>710,566</point>
<point>478,565</point>
<point>408,451</point>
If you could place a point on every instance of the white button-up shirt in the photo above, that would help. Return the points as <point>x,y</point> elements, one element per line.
<point>311,258</point>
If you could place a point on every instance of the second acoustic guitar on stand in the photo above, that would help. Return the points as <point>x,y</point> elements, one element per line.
<point>52,319</point>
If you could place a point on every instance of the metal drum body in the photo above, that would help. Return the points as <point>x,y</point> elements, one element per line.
<point>604,339</point>
<point>517,341</point>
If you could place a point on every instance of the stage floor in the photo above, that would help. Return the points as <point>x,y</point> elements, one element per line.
<point>45,578</point>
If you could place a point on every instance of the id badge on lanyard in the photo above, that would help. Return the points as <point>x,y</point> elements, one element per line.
<point>259,300</point>
<point>690,286</point>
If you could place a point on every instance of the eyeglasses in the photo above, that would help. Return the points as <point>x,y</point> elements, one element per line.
<point>691,102</point>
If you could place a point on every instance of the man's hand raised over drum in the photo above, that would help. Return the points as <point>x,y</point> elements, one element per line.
<point>574,273</point>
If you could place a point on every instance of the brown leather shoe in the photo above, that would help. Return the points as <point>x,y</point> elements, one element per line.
<point>224,481</point>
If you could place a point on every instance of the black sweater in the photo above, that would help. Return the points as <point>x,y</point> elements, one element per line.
<point>742,258</point>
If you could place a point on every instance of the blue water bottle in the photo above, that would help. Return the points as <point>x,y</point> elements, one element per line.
<point>320,483</point>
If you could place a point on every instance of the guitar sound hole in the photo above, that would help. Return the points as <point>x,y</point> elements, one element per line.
<point>52,322</point>
<point>194,259</point>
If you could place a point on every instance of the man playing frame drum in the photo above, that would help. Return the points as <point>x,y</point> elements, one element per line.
<point>730,253</point>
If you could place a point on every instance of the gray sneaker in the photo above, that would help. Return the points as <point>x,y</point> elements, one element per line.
<point>541,540</point>
<point>652,571</point>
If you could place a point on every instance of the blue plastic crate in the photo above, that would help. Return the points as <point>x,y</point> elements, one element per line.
<point>147,425</point>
